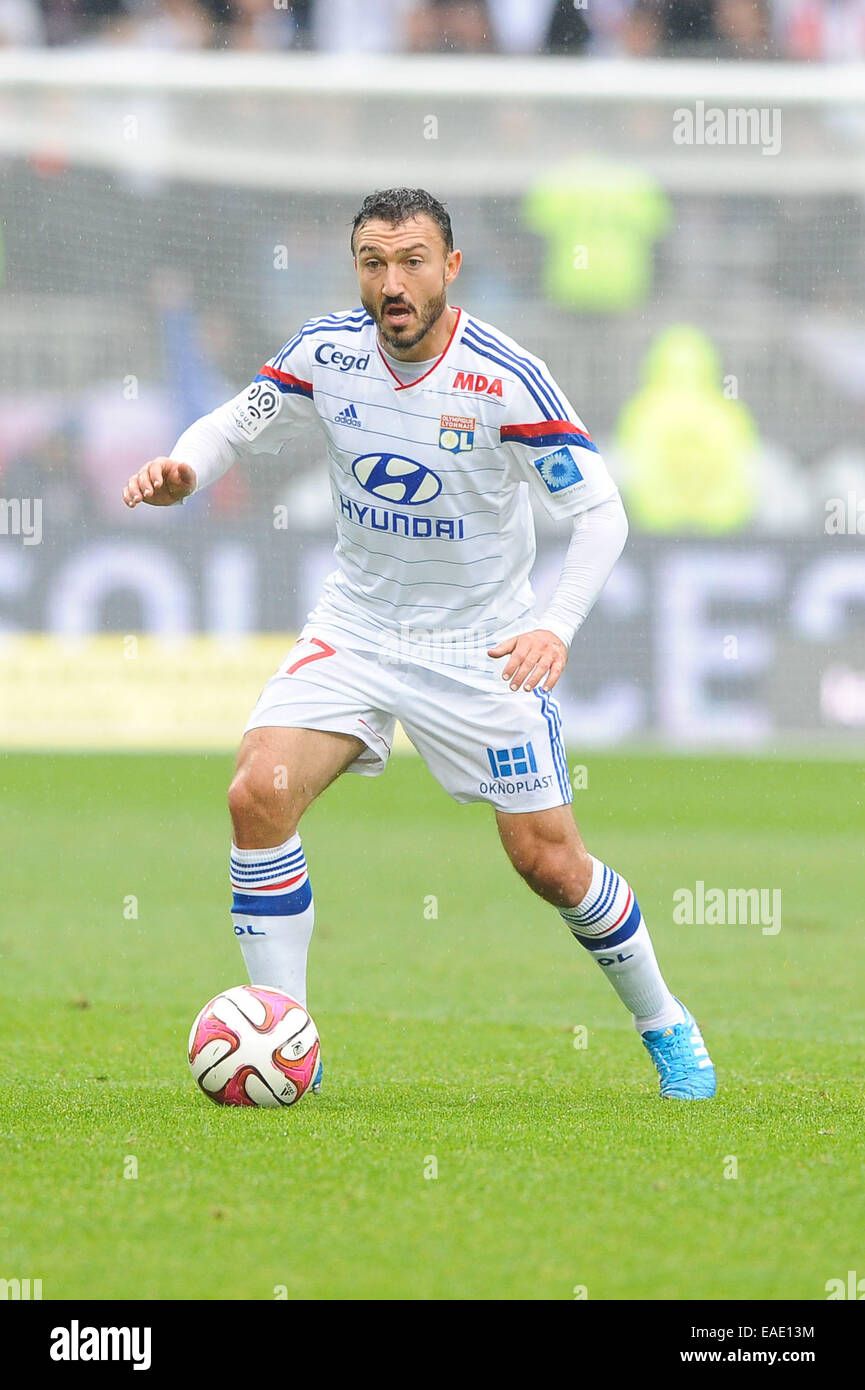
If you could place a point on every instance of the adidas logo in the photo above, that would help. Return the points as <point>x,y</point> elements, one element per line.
<point>349,416</point>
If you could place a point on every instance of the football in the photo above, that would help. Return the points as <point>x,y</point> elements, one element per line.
<point>253,1045</point>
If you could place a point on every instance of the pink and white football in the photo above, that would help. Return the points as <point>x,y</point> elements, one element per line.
<point>253,1045</point>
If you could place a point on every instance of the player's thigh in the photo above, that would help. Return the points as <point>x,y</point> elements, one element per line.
<point>289,767</point>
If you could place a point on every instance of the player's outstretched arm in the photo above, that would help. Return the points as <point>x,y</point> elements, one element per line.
<point>160,483</point>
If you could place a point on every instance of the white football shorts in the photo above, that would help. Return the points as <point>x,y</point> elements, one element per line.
<point>481,741</point>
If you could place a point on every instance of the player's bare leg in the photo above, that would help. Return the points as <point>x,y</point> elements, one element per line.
<point>546,849</point>
<point>279,774</point>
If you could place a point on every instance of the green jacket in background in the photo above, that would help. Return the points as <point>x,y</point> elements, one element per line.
<point>689,451</point>
<point>600,222</point>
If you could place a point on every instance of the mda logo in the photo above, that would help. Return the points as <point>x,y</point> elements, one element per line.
<point>396,479</point>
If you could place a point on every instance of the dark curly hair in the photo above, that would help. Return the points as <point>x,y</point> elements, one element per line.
<point>397,205</point>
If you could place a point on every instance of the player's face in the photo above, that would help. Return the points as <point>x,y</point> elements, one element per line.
<point>404,272</point>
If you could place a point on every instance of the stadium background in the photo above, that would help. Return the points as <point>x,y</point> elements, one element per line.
<point>176,198</point>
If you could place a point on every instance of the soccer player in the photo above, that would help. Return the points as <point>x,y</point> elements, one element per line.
<point>437,428</point>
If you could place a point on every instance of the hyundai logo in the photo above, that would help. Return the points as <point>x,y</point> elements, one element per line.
<point>396,479</point>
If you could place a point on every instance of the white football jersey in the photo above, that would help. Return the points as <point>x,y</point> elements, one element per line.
<point>430,480</point>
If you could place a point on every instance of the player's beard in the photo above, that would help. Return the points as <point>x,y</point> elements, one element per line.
<point>427,317</point>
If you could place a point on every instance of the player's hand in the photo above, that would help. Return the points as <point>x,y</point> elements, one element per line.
<point>160,483</point>
<point>534,657</point>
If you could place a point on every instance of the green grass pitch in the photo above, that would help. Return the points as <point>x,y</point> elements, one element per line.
<point>446,1038</point>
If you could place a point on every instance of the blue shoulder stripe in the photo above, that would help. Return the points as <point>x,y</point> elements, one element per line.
<point>352,322</point>
<point>531,368</point>
<point>543,407</point>
<point>349,323</point>
<point>523,367</point>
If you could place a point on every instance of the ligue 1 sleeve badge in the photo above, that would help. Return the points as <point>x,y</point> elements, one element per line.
<point>456,433</point>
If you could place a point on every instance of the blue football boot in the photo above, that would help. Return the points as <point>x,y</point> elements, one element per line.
<point>683,1063</point>
<point>316,1080</point>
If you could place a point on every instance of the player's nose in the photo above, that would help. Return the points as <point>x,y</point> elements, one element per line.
<point>393,285</point>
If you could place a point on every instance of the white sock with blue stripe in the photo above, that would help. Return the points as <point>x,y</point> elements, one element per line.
<point>608,922</point>
<point>273,914</point>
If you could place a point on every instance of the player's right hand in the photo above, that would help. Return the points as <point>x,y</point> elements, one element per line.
<point>160,483</point>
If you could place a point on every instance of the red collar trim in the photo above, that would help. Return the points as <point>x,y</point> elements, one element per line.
<point>404,385</point>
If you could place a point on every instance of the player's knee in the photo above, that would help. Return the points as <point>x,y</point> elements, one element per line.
<point>555,880</point>
<point>243,799</point>
<point>552,870</point>
<point>258,806</point>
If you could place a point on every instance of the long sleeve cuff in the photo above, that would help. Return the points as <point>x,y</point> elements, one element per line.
<point>206,448</point>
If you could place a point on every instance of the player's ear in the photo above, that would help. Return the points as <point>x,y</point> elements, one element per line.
<point>452,266</point>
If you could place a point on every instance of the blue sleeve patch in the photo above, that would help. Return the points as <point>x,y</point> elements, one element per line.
<point>559,470</point>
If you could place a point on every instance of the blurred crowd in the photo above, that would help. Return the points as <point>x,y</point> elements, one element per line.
<point>757,29</point>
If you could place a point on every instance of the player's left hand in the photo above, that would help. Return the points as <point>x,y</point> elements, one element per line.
<point>534,657</point>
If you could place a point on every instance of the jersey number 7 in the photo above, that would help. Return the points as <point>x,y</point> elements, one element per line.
<point>325,650</point>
